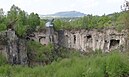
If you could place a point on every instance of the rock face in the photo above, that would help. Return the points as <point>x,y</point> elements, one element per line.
<point>3,43</point>
<point>85,40</point>
<point>46,36</point>
<point>13,48</point>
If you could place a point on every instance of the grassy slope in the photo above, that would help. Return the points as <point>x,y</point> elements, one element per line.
<point>97,65</point>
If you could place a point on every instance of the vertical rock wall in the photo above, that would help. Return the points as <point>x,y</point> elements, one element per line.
<point>46,36</point>
<point>16,48</point>
<point>86,40</point>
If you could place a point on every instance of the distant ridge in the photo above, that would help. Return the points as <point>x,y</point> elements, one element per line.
<point>65,14</point>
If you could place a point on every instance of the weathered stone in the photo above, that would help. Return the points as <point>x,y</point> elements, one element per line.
<point>85,40</point>
<point>46,36</point>
<point>16,48</point>
<point>3,43</point>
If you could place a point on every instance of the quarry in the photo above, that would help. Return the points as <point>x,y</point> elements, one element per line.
<point>107,39</point>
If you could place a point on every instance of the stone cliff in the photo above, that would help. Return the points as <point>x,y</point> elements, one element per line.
<point>85,40</point>
<point>15,48</point>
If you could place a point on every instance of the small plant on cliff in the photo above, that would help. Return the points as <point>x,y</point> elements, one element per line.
<point>2,59</point>
<point>40,53</point>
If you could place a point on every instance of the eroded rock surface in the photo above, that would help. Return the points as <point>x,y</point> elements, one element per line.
<point>13,48</point>
<point>16,48</point>
<point>85,40</point>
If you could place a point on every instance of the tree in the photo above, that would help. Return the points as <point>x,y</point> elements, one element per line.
<point>13,13</point>
<point>16,13</point>
<point>42,25</point>
<point>58,24</point>
<point>34,20</point>
<point>22,18</point>
<point>2,20</point>
<point>21,23</point>
<point>1,14</point>
<point>125,9</point>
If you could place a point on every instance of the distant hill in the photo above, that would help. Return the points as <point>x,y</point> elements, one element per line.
<point>65,14</point>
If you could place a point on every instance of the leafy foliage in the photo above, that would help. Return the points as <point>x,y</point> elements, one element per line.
<point>2,60</point>
<point>23,23</point>
<point>27,24</point>
<point>40,53</point>
<point>65,63</point>
<point>116,20</point>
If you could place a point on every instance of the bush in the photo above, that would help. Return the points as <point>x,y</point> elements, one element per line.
<point>112,64</point>
<point>2,60</point>
<point>40,53</point>
<point>117,65</point>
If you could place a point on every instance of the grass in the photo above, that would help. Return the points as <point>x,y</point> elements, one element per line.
<point>114,64</point>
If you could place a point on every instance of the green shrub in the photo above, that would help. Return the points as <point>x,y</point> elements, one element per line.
<point>5,70</point>
<point>114,64</point>
<point>2,59</point>
<point>117,65</point>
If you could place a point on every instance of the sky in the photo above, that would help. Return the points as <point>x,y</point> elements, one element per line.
<point>43,7</point>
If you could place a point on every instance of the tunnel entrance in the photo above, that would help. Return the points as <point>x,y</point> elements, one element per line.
<point>89,37</point>
<point>66,40</point>
<point>42,38</point>
<point>74,39</point>
<point>114,43</point>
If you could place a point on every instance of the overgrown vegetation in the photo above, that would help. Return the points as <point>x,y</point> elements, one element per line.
<point>24,23</point>
<point>58,61</point>
<point>40,53</point>
<point>113,64</point>
<point>2,60</point>
<point>27,23</point>
<point>116,20</point>
<point>45,54</point>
